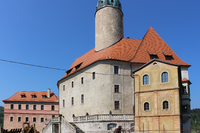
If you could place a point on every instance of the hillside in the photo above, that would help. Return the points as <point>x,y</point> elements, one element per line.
<point>1,116</point>
<point>195,115</point>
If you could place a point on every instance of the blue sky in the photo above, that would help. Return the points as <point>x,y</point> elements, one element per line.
<point>55,32</point>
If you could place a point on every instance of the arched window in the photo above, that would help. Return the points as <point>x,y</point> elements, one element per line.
<point>146,106</point>
<point>145,80</point>
<point>165,105</point>
<point>165,77</point>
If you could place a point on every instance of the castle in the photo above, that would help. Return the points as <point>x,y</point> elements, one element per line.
<point>139,84</point>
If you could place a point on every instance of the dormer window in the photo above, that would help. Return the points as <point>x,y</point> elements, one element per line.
<point>78,66</point>
<point>23,95</point>
<point>43,96</point>
<point>68,72</point>
<point>33,96</point>
<point>168,56</point>
<point>153,55</point>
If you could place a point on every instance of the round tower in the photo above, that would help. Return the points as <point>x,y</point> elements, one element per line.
<point>108,23</point>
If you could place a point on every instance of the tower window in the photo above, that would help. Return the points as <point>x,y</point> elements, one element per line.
<point>146,106</point>
<point>145,80</point>
<point>165,77</point>
<point>165,105</point>
<point>184,90</point>
<point>63,87</point>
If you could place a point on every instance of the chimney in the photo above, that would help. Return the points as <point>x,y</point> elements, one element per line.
<point>48,93</point>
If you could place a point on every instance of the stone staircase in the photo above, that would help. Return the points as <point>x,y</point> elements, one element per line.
<point>78,130</point>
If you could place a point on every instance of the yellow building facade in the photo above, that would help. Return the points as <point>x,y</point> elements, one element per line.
<point>157,97</point>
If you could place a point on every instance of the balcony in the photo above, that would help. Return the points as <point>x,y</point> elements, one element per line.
<point>104,117</point>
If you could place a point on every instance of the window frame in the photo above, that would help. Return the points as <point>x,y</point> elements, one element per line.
<point>116,85</point>
<point>72,84</point>
<point>42,118</point>
<point>72,101</point>
<point>82,80</point>
<point>27,105</point>
<point>26,120</point>
<point>116,71</point>
<point>52,107</point>
<point>82,98</point>
<point>93,75</point>
<point>63,87</point>
<point>165,105</point>
<point>34,107</point>
<point>117,107</point>
<point>19,119</point>
<point>145,79</point>
<point>35,119</point>
<point>12,106</point>
<point>63,103</point>
<point>42,107</point>
<point>165,77</point>
<point>12,118</point>
<point>19,106</point>
<point>146,106</point>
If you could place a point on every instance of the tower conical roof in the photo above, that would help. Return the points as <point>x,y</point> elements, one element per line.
<point>109,3</point>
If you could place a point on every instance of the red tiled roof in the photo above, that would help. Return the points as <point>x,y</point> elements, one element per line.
<point>132,50</point>
<point>28,98</point>
<point>185,80</point>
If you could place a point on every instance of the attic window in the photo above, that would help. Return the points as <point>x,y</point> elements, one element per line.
<point>23,95</point>
<point>152,54</point>
<point>43,96</point>
<point>68,72</point>
<point>168,56</point>
<point>78,66</point>
<point>33,96</point>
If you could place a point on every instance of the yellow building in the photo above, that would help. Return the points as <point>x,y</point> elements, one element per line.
<point>159,105</point>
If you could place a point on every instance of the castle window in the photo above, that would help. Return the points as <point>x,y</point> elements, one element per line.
<point>19,119</point>
<point>11,119</point>
<point>11,106</point>
<point>82,99</point>
<point>34,119</point>
<point>63,87</point>
<point>52,107</point>
<point>110,126</point>
<point>42,107</point>
<point>72,84</point>
<point>27,106</point>
<point>165,105</point>
<point>116,104</point>
<point>116,69</point>
<point>26,119</point>
<point>93,75</point>
<point>42,119</point>
<point>116,88</point>
<point>146,106</point>
<point>81,80</point>
<point>165,77</point>
<point>72,101</point>
<point>19,106</point>
<point>63,103</point>
<point>145,80</point>
<point>34,107</point>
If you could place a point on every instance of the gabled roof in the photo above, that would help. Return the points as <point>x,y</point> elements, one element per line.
<point>28,97</point>
<point>153,61</point>
<point>130,50</point>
